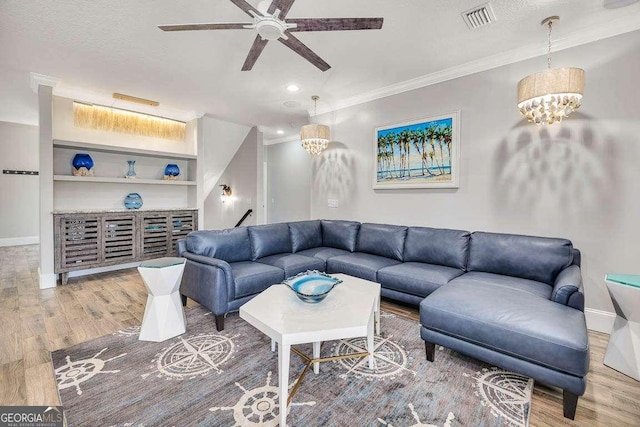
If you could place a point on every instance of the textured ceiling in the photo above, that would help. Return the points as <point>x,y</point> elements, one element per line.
<point>106,46</point>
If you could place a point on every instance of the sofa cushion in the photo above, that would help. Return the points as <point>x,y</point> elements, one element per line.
<point>500,282</point>
<point>359,264</point>
<point>293,264</point>
<point>230,245</point>
<point>324,253</point>
<point>382,239</point>
<point>535,258</point>
<point>416,278</point>
<point>253,277</point>
<point>269,239</point>
<point>437,246</point>
<point>305,235</point>
<point>512,322</point>
<point>340,234</point>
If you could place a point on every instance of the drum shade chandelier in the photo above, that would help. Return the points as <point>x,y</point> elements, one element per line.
<point>553,94</point>
<point>314,137</point>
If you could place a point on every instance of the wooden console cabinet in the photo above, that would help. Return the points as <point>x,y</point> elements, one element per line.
<point>86,240</point>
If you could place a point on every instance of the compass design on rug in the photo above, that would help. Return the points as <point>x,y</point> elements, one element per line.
<point>447,423</point>
<point>72,374</point>
<point>390,358</point>
<point>194,356</point>
<point>506,393</point>
<point>128,332</point>
<point>258,407</point>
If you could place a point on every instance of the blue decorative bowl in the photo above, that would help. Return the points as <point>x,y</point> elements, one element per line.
<point>172,170</point>
<point>312,286</point>
<point>133,201</point>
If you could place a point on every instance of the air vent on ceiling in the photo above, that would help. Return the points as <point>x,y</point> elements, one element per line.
<point>479,16</point>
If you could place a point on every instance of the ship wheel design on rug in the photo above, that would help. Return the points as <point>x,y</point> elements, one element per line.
<point>128,332</point>
<point>390,358</point>
<point>507,394</point>
<point>258,406</point>
<point>72,374</point>
<point>194,356</point>
<point>447,423</point>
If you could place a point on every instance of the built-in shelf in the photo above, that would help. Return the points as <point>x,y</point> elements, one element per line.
<point>121,150</point>
<point>96,179</point>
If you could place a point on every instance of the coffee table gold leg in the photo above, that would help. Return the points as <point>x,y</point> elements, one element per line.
<point>284,355</point>
<point>316,355</point>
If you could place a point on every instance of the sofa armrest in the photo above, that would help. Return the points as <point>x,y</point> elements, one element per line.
<point>567,289</point>
<point>208,281</point>
<point>181,245</point>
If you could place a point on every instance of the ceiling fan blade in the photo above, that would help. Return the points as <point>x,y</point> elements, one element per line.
<point>246,7</point>
<point>192,27</point>
<point>335,24</point>
<point>254,53</point>
<point>301,49</point>
<point>283,5</point>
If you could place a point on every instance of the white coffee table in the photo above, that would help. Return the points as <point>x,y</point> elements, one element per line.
<point>351,310</point>
<point>163,316</point>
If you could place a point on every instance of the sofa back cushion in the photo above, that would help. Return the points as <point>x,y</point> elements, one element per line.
<point>534,258</point>
<point>382,239</point>
<point>305,235</point>
<point>340,234</point>
<point>230,245</point>
<point>437,246</point>
<point>269,239</point>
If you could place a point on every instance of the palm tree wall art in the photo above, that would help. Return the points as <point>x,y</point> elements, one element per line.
<point>418,154</point>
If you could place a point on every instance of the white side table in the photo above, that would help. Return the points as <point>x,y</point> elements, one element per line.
<point>623,351</point>
<point>163,316</point>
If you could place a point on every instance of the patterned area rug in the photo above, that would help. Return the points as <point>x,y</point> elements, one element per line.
<point>229,378</point>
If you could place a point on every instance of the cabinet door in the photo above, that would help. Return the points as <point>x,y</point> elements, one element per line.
<point>119,239</point>
<point>155,235</point>
<point>182,223</point>
<point>79,242</point>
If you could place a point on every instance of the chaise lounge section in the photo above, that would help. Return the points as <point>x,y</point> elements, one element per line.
<point>510,300</point>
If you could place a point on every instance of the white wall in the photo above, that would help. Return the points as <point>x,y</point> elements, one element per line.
<point>19,194</point>
<point>288,182</point>
<point>241,175</point>
<point>579,179</point>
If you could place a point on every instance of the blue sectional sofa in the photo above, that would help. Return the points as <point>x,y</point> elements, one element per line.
<point>510,300</point>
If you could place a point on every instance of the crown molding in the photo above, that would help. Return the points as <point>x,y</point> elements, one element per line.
<point>42,80</point>
<point>611,28</point>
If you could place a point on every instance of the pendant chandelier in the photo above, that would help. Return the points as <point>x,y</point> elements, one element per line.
<point>553,94</point>
<point>314,137</point>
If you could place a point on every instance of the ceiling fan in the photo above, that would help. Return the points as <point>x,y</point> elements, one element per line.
<point>269,20</point>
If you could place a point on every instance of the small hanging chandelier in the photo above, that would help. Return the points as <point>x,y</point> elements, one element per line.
<point>551,95</point>
<point>314,137</point>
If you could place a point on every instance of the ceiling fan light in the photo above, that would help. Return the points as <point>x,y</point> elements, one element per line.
<point>270,29</point>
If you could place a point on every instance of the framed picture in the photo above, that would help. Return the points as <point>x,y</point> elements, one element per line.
<point>422,153</point>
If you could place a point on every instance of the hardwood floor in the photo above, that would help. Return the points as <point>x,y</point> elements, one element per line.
<point>34,322</point>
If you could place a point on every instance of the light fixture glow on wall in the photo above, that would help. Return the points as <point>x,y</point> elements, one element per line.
<point>226,193</point>
<point>553,94</point>
<point>99,117</point>
<point>314,137</point>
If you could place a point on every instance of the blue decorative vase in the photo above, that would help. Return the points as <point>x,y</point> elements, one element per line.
<point>171,171</point>
<point>131,173</point>
<point>82,165</point>
<point>133,201</point>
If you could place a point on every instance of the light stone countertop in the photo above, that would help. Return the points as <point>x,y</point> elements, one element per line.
<point>84,211</point>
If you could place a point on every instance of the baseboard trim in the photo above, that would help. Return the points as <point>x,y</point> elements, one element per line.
<point>48,280</point>
<point>598,320</point>
<point>20,241</point>
<point>78,273</point>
